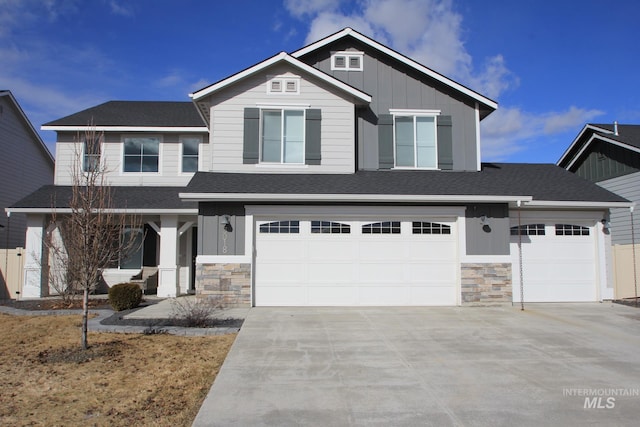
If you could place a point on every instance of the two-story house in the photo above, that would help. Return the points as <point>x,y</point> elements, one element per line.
<point>609,155</point>
<point>343,173</point>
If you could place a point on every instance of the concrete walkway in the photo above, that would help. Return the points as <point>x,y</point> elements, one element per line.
<point>493,366</point>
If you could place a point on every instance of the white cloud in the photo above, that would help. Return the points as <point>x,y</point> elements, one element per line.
<point>511,130</point>
<point>300,8</point>
<point>118,8</point>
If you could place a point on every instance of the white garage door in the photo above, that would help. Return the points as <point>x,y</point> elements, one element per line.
<point>332,262</point>
<point>559,262</point>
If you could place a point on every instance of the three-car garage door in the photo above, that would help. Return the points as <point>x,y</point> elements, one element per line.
<point>338,261</point>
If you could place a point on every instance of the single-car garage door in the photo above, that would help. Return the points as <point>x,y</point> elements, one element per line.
<point>378,262</point>
<point>559,262</point>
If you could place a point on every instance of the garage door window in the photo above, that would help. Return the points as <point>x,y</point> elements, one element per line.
<point>528,230</point>
<point>329,227</point>
<point>571,230</point>
<point>385,227</point>
<point>420,227</point>
<point>281,227</point>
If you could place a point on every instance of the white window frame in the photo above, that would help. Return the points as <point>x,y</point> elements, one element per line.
<point>182,138</point>
<point>414,114</point>
<point>160,149</point>
<point>283,81</point>
<point>348,54</point>
<point>282,109</point>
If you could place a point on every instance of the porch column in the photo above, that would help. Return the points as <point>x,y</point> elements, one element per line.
<point>168,269</point>
<point>35,277</point>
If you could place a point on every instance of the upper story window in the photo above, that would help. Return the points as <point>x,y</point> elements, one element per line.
<point>91,155</point>
<point>283,134</point>
<point>141,154</point>
<point>284,86</point>
<point>190,149</point>
<point>347,61</point>
<point>415,139</point>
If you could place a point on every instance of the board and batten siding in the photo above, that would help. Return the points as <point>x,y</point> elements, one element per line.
<point>227,123</point>
<point>25,166</point>
<point>395,86</point>
<point>169,168</point>
<point>627,186</point>
<point>605,161</point>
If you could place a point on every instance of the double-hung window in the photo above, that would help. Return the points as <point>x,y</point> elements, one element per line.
<point>190,148</point>
<point>282,138</point>
<point>141,154</point>
<point>415,139</point>
<point>91,155</point>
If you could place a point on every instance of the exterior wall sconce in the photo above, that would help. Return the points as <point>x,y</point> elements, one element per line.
<point>485,223</point>
<point>226,223</point>
<point>606,225</point>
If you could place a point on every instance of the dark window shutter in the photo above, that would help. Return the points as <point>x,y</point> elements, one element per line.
<point>445,143</point>
<point>251,142</point>
<point>385,141</point>
<point>312,155</point>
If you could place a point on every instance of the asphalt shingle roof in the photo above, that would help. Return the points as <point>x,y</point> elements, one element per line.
<point>123,197</point>
<point>541,181</point>
<point>136,113</point>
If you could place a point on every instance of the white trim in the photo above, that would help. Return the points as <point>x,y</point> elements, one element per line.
<point>349,197</point>
<point>478,146</point>
<point>405,60</point>
<point>574,204</point>
<point>116,211</point>
<point>347,54</point>
<point>283,85</point>
<point>283,105</point>
<point>282,165</point>
<point>125,128</point>
<point>412,112</point>
<point>281,57</point>
<point>451,213</point>
<point>223,259</point>
<point>577,138</point>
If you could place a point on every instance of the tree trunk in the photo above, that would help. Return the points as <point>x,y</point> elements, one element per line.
<point>85,317</point>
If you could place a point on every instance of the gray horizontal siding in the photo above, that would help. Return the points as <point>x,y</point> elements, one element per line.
<point>24,167</point>
<point>627,186</point>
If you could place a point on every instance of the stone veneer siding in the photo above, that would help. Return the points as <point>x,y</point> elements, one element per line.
<point>484,284</point>
<point>230,284</point>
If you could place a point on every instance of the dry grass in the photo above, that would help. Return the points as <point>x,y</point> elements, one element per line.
<point>123,380</point>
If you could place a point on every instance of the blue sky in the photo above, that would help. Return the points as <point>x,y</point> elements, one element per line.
<point>551,65</point>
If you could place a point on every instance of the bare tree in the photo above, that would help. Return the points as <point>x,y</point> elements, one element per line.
<point>95,234</point>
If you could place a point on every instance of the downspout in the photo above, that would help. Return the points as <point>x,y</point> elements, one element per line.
<point>519,203</point>
<point>633,255</point>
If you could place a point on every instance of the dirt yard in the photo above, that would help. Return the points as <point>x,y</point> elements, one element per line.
<point>122,380</point>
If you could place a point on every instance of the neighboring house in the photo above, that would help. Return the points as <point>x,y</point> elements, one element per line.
<point>25,165</point>
<point>343,173</point>
<point>609,155</point>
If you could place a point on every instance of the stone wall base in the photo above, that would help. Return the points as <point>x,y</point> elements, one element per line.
<point>486,284</point>
<point>228,284</point>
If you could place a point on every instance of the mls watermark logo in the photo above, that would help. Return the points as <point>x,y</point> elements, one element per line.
<point>600,398</point>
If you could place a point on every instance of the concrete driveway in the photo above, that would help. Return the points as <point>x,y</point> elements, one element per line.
<point>553,364</point>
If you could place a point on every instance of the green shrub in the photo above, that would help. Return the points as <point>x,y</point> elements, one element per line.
<point>125,296</point>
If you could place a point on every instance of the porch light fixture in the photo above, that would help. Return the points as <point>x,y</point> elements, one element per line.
<point>226,223</point>
<point>485,224</point>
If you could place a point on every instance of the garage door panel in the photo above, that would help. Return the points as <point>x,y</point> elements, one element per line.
<point>355,268</point>
<point>555,268</point>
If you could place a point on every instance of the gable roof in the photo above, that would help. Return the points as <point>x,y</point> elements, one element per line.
<point>488,104</point>
<point>628,137</point>
<point>133,115</point>
<point>535,184</point>
<point>280,58</point>
<point>27,122</point>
